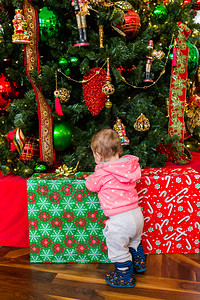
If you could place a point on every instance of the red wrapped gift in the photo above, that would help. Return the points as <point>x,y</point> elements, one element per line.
<point>170,200</point>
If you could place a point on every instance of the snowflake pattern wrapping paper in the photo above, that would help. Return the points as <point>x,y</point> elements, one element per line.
<point>170,200</point>
<point>66,221</point>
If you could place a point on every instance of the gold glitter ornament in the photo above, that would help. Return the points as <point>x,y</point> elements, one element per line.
<point>64,95</point>
<point>142,123</point>
<point>124,5</point>
<point>101,33</point>
<point>108,89</point>
<point>159,54</point>
<point>99,2</point>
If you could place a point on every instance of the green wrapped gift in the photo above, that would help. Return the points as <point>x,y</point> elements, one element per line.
<point>65,220</point>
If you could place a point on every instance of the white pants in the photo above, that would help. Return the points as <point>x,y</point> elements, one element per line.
<point>123,231</point>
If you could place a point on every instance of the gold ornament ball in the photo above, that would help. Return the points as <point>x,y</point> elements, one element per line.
<point>64,95</point>
<point>108,89</point>
<point>108,104</point>
<point>28,171</point>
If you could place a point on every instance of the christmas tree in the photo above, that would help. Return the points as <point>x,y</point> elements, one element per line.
<point>69,69</point>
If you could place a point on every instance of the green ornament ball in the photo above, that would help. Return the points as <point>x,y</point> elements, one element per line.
<point>63,62</point>
<point>49,24</point>
<point>160,13</point>
<point>41,167</point>
<point>74,61</point>
<point>62,135</point>
<point>67,71</point>
<point>193,59</point>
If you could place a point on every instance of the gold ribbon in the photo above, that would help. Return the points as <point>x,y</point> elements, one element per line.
<point>66,171</point>
<point>31,61</point>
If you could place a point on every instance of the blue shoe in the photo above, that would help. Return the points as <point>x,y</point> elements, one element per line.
<point>139,263</point>
<point>123,277</point>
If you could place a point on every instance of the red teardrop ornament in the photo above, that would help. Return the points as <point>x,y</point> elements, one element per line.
<point>92,90</point>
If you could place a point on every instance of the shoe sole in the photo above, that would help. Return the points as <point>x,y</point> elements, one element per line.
<point>120,286</point>
<point>140,271</point>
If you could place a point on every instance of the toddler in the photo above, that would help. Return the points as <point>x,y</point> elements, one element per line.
<point>115,179</point>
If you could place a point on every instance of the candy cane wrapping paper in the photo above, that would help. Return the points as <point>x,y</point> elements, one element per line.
<point>171,207</point>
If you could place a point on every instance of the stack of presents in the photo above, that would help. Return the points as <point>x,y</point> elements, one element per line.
<point>66,221</point>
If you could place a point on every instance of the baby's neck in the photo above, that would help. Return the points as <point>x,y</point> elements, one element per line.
<point>112,158</point>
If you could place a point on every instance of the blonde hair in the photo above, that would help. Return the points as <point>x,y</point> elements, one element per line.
<point>107,143</point>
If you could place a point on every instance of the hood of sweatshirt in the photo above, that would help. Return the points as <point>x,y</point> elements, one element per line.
<point>126,169</point>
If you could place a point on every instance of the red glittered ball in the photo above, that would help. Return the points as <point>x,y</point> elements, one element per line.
<point>92,90</point>
<point>131,24</point>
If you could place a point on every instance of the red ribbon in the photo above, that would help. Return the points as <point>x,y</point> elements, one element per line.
<point>10,138</point>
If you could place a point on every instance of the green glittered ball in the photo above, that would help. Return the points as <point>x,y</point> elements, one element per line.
<point>63,62</point>
<point>74,61</point>
<point>160,13</point>
<point>67,71</point>
<point>49,24</point>
<point>41,167</point>
<point>193,59</point>
<point>62,135</point>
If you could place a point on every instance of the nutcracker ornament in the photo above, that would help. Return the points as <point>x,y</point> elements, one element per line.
<point>81,10</point>
<point>20,35</point>
<point>148,64</point>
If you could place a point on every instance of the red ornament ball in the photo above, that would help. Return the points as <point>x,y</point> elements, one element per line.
<point>8,91</point>
<point>131,24</point>
<point>30,151</point>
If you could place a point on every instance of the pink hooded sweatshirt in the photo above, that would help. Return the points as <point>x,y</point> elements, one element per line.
<point>115,183</point>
